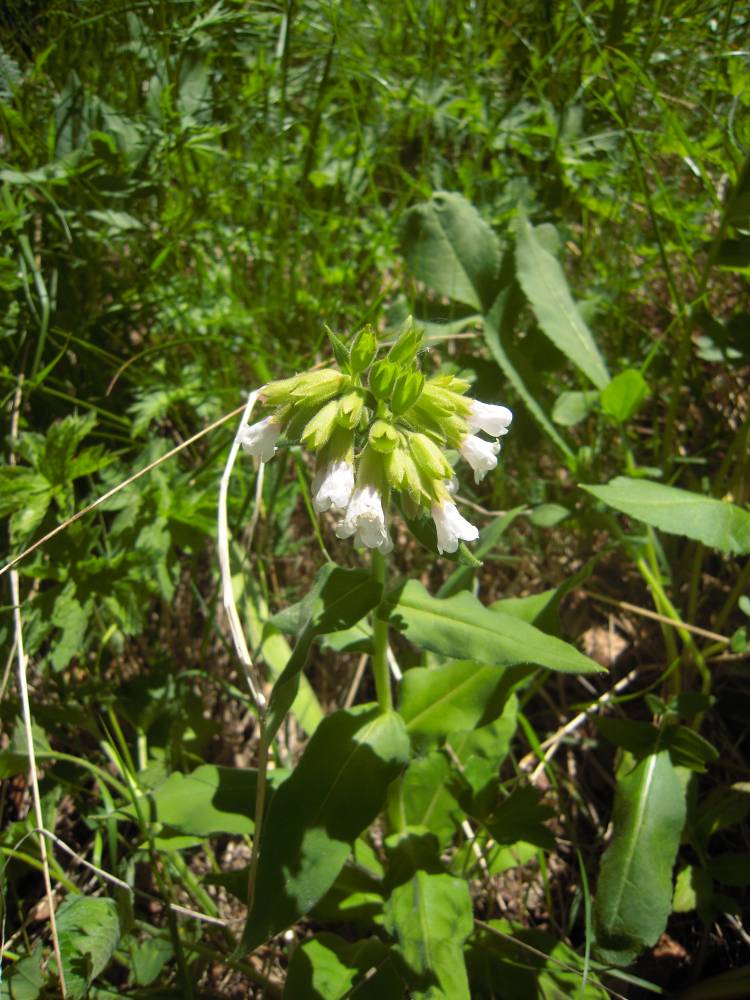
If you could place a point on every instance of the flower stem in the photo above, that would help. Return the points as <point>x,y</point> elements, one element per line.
<point>380,639</point>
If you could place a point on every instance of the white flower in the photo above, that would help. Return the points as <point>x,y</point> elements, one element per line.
<point>260,439</point>
<point>365,520</point>
<point>333,486</point>
<point>493,420</point>
<point>451,526</point>
<point>480,454</point>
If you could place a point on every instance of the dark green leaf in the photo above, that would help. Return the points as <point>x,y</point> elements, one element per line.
<point>333,794</point>
<point>89,931</point>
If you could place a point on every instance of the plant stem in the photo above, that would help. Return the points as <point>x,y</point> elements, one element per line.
<point>380,640</point>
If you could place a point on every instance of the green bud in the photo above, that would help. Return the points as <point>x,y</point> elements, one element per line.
<point>383,437</point>
<point>363,351</point>
<point>404,351</point>
<point>383,376</point>
<point>441,402</point>
<point>318,430</point>
<point>406,391</point>
<point>309,387</point>
<point>350,410</point>
<point>429,458</point>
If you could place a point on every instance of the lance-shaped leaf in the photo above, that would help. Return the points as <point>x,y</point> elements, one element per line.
<point>339,599</point>
<point>461,626</point>
<point>634,894</point>
<point>334,793</point>
<point>449,247</point>
<point>545,286</point>
<point>716,523</point>
<point>431,916</point>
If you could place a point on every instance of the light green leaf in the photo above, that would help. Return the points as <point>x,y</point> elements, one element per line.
<point>89,932</point>
<point>461,625</point>
<point>449,698</point>
<point>449,247</point>
<point>634,894</point>
<point>327,967</point>
<point>545,286</point>
<point>431,916</point>
<point>426,799</point>
<point>716,523</point>
<point>334,793</point>
<point>572,407</point>
<point>624,395</point>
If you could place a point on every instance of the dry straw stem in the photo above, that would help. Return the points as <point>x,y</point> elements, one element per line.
<point>235,626</point>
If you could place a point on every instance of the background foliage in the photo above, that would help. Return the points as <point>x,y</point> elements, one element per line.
<point>560,194</point>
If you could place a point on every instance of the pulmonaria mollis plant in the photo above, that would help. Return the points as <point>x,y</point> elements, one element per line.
<point>377,426</point>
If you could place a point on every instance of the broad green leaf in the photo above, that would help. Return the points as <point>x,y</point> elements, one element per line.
<point>624,395</point>
<point>334,793</point>
<point>148,959</point>
<point>24,979</point>
<point>327,967</point>
<point>448,698</point>
<point>89,932</point>
<point>545,286</point>
<point>431,917</point>
<point>210,800</point>
<point>449,247</point>
<point>716,523</point>
<point>426,798</point>
<point>481,751</point>
<point>572,407</point>
<point>459,626</point>
<point>521,817</point>
<point>723,807</point>
<point>63,437</point>
<point>634,893</point>
<point>338,600</point>
<point>693,889</point>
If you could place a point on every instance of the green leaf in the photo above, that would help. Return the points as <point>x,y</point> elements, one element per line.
<point>25,978</point>
<point>693,889</point>
<point>521,817</point>
<point>148,959</point>
<point>722,808</point>
<point>334,793</point>
<point>449,247</point>
<point>545,286</point>
<point>634,895</point>
<point>459,626</point>
<point>572,407</point>
<point>327,967</point>
<point>431,916</point>
<point>63,437</point>
<point>89,932</point>
<point>716,523</point>
<point>338,600</point>
<point>211,800</point>
<point>426,798</point>
<point>624,395</point>
<point>448,698</point>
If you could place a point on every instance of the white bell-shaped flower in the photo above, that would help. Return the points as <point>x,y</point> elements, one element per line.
<point>333,486</point>
<point>365,520</point>
<point>480,454</point>
<point>260,439</point>
<point>451,526</point>
<point>490,418</point>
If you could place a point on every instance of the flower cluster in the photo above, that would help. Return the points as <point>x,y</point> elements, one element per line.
<point>378,426</point>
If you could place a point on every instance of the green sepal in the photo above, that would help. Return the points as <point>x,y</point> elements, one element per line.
<point>350,410</point>
<point>340,350</point>
<point>383,437</point>
<point>429,458</point>
<point>318,430</point>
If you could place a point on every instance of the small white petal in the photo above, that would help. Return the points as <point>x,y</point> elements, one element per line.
<point>365,520</point>
<point>451,527</point>
<point>493,420</point>
<point>480,454</point>
<point>333,486</point>
<point>260,439</point>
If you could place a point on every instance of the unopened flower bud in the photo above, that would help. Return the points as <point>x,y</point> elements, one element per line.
<point>318,430</point>
<point>404,351</point>
<point>363,351</point>
<point>406,391</point>
<point>383,375</point>
<point>350,410</point>
<point>429,458</point>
